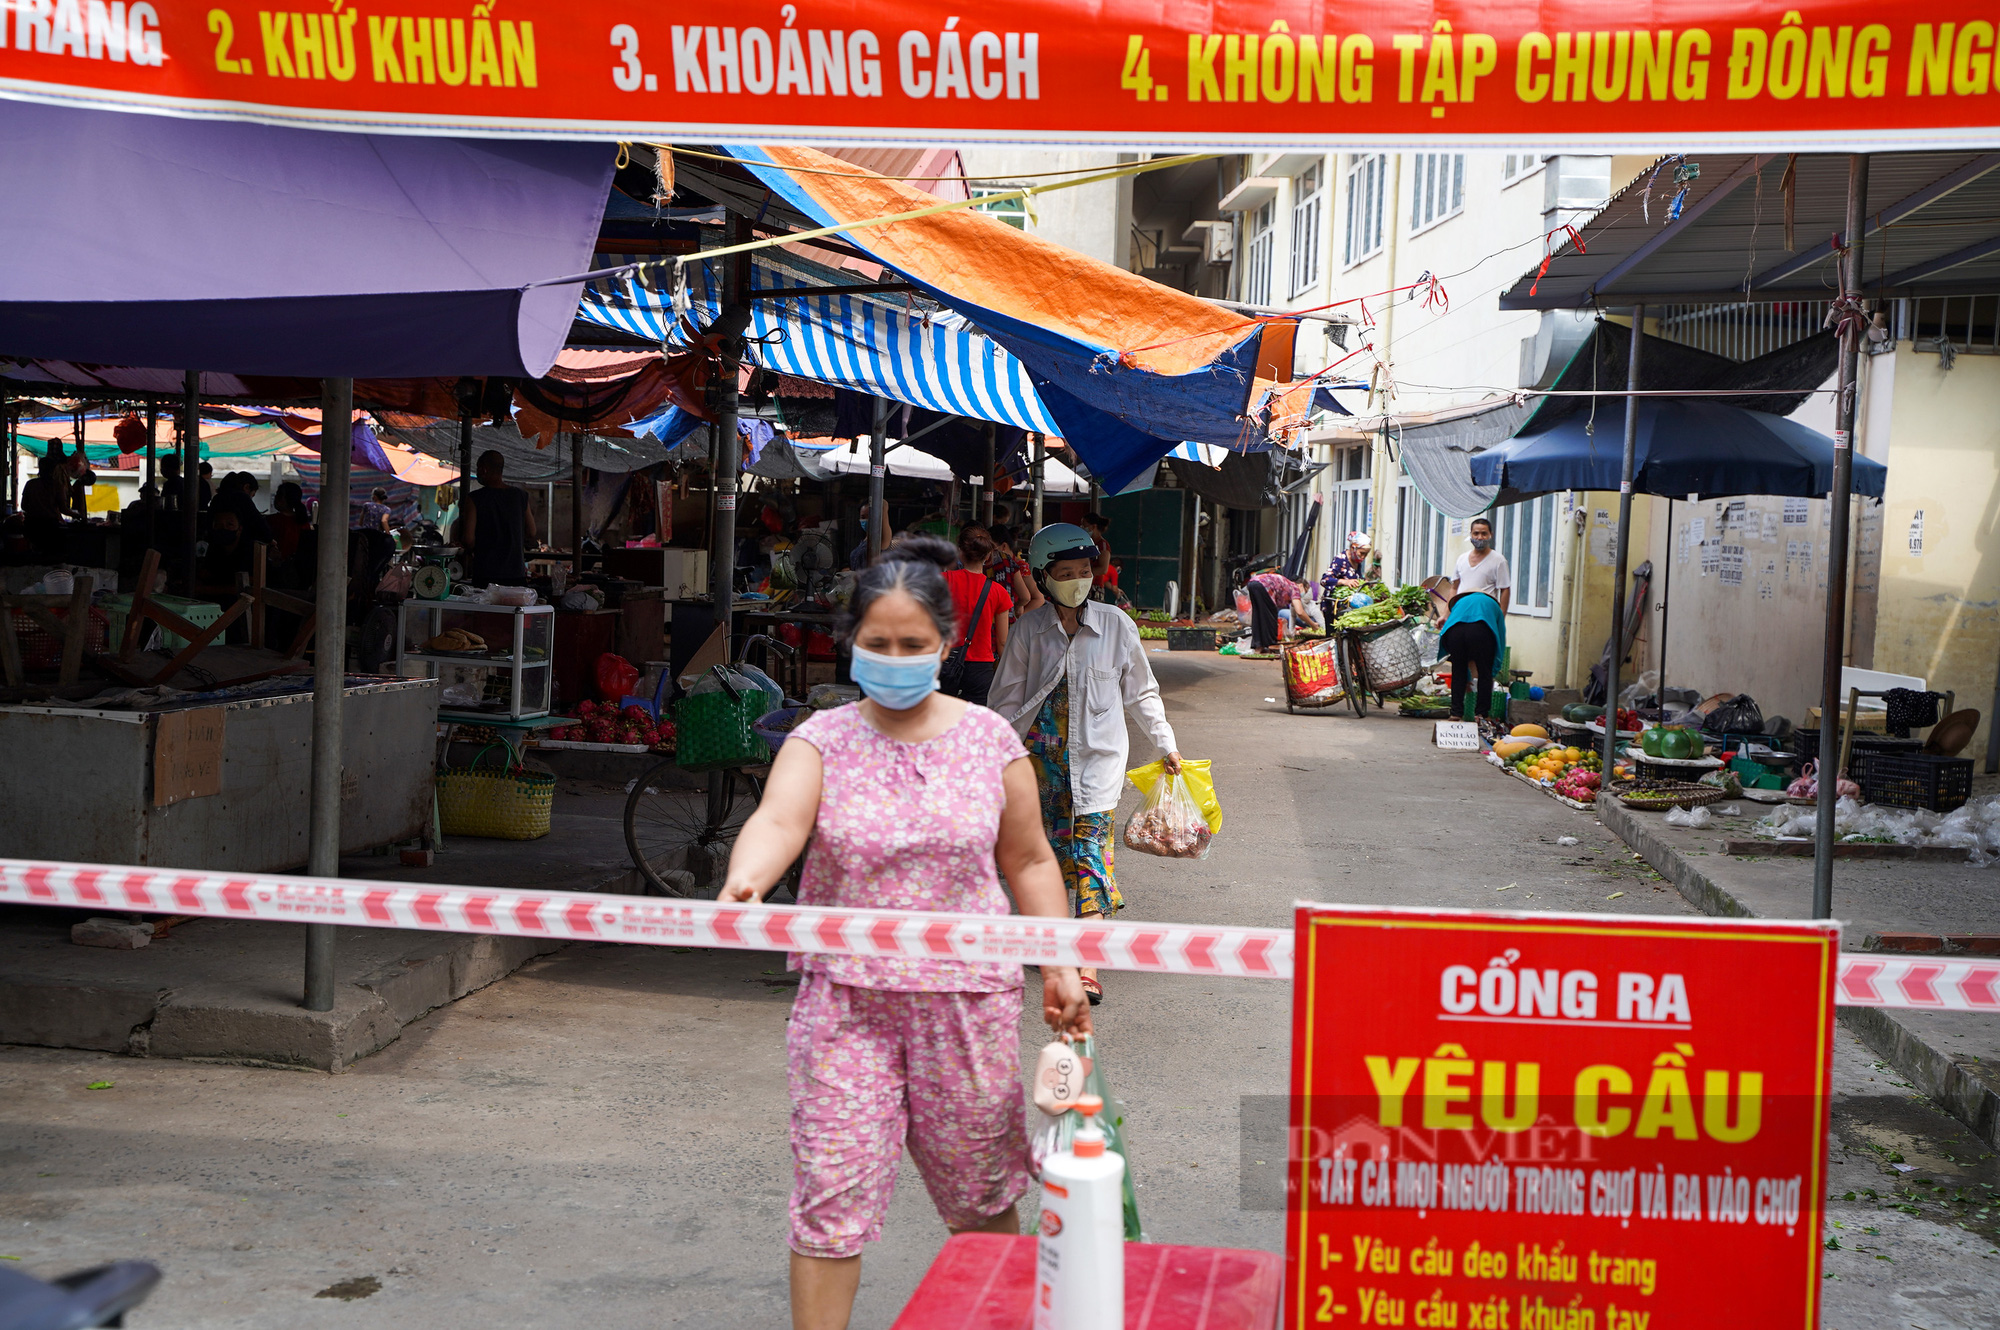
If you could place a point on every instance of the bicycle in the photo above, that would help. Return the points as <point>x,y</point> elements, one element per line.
<point>679,837</point>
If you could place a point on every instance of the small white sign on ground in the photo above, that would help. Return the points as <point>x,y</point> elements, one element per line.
<point>1456,736</point>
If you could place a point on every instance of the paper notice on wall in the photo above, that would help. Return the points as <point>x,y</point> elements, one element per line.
<point>1791,557</point>
<point>1770,525</point>
<point>1796,511</point>
<point>1735,514</point>
<point>1917,535</point>
<point>1711,557</point>
<point>1604,547</point>
<point>1764,591</point>
<point>1698,530</point>
<point>1681,554</point>
<point>1732,565</point>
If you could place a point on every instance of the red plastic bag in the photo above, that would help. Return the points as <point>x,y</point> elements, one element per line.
<point>617,677</point>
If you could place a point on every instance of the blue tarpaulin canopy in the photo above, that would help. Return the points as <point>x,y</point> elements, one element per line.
<point>208,245</point>
<point>1125,369</point>
<point>1686,445</point>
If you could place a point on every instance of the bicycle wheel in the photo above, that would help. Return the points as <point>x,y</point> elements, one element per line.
<point>679,844</point>
<point>1357,692</point>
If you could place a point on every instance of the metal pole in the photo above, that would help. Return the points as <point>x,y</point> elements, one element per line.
<point>1041,455</point>
<point>1624,539</point>
<point>13,450</point>
<point>878,472</point>
<point>336,450</point>
<point>1666,607</point>
<point>576,505</point>
<point>464,465</point>
<point>152,469</point>
<point>992,463</point>
<point>1834,651</point>
<point>191,478</point>
<point>726,466</point>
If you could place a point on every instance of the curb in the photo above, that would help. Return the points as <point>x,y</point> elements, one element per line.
<point>1939,1075</point>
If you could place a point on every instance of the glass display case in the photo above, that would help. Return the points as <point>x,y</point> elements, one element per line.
<point>494,660</point>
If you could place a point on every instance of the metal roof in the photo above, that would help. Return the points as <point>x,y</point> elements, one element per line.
<point>1933,229</point>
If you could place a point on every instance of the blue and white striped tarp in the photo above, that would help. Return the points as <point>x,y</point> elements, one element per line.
<point>855,341</point>
<point>1208,454</point>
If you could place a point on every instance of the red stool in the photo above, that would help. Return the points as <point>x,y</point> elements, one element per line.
<point>984,1281</point>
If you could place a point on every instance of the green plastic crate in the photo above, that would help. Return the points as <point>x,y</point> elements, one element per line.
<point>200,613</point>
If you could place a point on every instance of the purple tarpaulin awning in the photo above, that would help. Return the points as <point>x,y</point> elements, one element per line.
<point>189,244</point>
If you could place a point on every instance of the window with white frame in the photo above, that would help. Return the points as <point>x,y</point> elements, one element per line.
<point>1257,271</point>
<point>1437,190</point>
<point>1308,194</point>
<point>1012,211</point>
<point>1526,534</point>
<point>1423,548</point>
<point>1352,492</point>
<point>1366,181</point>
<point>1518,165</point>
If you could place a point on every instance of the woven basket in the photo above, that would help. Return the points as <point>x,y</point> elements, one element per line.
<point>1391,660</point>
<point>1662,795</point>
<point>499,803</point>
<point>1313,674</point>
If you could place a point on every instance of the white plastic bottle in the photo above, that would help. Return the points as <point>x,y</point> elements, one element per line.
<point>1080,1271</point>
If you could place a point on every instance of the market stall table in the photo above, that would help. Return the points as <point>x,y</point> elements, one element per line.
<point>218,780</point>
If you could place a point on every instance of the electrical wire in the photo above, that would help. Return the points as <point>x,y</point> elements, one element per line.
<point>865,174</point>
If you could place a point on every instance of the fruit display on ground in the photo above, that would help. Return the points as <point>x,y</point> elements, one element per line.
<point>1574,773</point>
<point>604,723</point>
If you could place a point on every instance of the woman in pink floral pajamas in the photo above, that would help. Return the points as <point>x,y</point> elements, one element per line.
<point>912,800</point>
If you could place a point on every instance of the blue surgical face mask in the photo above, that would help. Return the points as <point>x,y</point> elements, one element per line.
<point>896,682</point>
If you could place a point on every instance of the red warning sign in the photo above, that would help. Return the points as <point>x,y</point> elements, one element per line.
<point>1557,1122</point>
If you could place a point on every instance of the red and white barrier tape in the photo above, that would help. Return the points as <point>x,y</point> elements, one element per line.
<point>1254,953</point>
<point>1251,953</point>
<point>1940,985</point>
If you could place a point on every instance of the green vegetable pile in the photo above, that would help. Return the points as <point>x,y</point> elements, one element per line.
<point>1369,616</point>
<point>1389,605</point>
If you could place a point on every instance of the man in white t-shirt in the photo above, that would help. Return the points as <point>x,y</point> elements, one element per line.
<point>1483,568</point>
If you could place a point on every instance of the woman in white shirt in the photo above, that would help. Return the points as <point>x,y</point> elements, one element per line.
<point>1070,669</point>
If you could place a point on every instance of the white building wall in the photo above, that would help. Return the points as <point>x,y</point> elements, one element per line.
<point>1093,219</point>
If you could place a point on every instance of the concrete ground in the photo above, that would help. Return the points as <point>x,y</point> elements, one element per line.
<point>229,990</point>
<point>1954,1057</point>
<point>602,1135</point>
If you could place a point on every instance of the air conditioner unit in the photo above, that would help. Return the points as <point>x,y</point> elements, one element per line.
<point>1216,239</point>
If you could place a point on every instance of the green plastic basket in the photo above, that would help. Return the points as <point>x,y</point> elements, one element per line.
<point>712,731</point>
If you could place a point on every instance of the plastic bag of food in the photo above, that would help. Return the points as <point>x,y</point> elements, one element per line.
<point>1055,1131</point>
<point>1171,824</point>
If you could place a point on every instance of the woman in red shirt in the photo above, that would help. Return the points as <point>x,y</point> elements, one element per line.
<point>983,639</point>
<point>1006,566</point>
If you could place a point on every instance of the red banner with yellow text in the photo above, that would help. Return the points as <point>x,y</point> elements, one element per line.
<point>1546,1122</point>
<point>1687,74</point>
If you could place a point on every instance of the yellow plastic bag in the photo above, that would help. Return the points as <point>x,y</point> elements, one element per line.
<point>1194,771</point>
